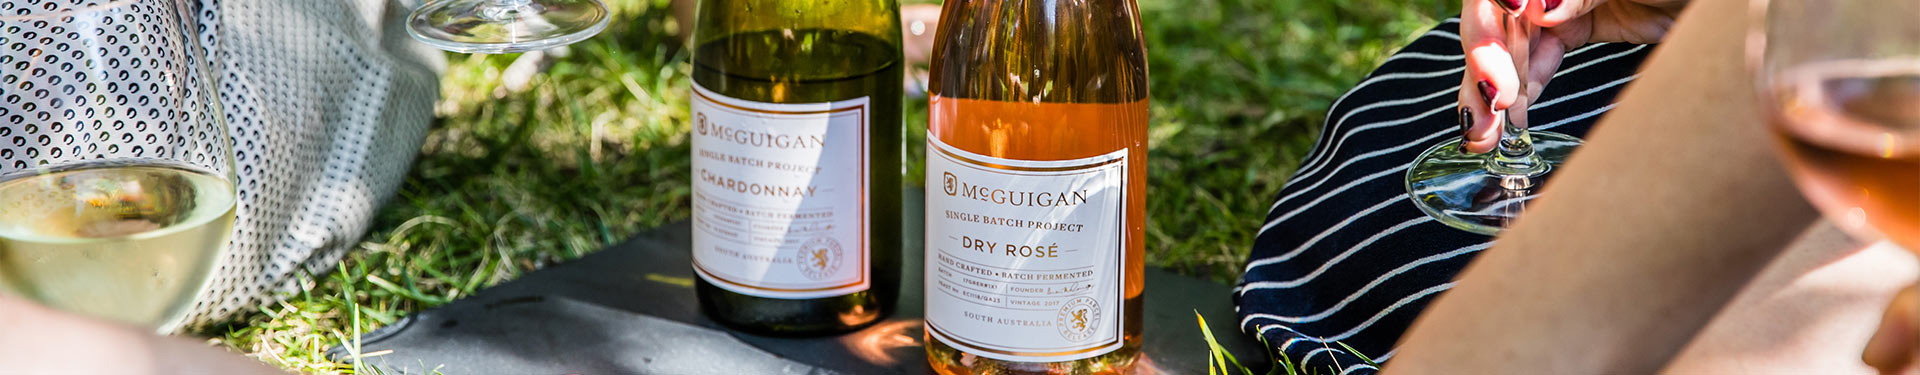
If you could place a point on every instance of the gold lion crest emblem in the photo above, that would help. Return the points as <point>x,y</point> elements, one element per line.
<point>1078,318</point>
<point>818,258</point>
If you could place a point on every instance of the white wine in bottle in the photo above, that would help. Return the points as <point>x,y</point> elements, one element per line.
<point>1036,174</point>
<point>796,163</point>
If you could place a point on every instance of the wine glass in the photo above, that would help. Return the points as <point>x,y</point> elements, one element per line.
<point>116,177</point>
<point>1841,80</point>
<point>1481,193</point>
<point>503,26</point>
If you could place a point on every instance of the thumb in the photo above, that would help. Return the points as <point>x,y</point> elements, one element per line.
<point>1893,346</point>
<point>1548,51</point>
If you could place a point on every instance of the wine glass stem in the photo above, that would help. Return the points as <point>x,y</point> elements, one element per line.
<point>1513,159</point>
<point>1514,154</point>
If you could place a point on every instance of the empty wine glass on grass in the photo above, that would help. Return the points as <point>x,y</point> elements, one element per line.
<point>116,177</point>
<point>503,26</point>
<point>1842,82</point>
<point>1481,193</point>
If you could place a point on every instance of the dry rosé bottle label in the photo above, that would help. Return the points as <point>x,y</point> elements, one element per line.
<point>1025,258</point>
<point>780,196</point>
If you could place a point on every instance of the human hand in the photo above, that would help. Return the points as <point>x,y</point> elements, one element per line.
<point>1893,349</point>
<point>38,340</point>
<point>1490,80</point>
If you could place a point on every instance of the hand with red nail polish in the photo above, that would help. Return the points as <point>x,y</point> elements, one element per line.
<point>1490,83</point>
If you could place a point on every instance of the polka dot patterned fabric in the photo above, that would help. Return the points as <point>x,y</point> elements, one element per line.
<point>116,83</point>
<point>328,102</point>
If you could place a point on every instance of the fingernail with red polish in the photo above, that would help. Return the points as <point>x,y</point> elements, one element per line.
<point>1510,5</point>
<point>1487,92</point>
<point>1551,4</point>
<point>1466,119</point>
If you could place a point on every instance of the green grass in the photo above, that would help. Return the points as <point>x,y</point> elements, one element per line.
<point>594,151</point>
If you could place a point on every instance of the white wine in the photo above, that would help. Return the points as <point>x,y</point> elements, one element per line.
<point>129,243</point>
<point>796,163</point>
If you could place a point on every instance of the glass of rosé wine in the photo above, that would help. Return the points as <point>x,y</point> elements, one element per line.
<point>1841,83</point>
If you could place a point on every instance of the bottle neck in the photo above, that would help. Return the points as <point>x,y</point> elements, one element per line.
<point>715,19</point>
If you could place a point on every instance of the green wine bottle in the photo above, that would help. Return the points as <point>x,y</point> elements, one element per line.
<point>796,163</point>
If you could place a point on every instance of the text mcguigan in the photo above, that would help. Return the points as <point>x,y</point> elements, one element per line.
<point>962,189</point>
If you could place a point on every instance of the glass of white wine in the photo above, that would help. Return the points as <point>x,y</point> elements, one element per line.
<point>116,177</point>
<point>1842,82</point>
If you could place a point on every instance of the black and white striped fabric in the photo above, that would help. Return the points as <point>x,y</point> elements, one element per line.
<point>1343,256</point>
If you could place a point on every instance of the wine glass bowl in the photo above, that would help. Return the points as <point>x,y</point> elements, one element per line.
<point>1841,81</point>
<point>116,180</point>
<point>504,26</point>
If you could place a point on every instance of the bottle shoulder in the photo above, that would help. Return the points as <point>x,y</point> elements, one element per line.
<point>718,19</point>
<point>1045,51</point>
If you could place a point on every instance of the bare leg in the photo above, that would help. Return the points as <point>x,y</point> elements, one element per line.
<point>1810,312</point>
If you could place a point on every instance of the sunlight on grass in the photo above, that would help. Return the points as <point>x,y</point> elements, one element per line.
<point>594,150</point>
<point>1220,362</point>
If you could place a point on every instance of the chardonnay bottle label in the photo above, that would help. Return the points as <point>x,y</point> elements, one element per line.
<point>780,196</point>
<point>1025,257</point>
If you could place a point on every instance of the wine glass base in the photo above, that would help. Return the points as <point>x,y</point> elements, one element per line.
<point>1457,189</point>
<point>506,26</point>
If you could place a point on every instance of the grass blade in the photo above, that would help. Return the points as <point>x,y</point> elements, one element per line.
<point>1356,353</point>
<point>1219,358</point>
